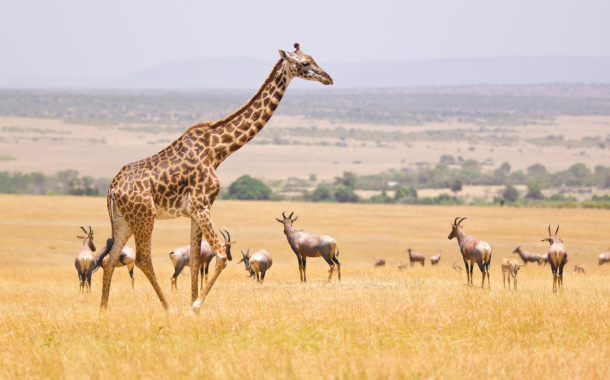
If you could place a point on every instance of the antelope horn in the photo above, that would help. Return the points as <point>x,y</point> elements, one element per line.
<point>279,220</point>
<point>83,228</point>
<point>284,215</point>
<point>248,252</point>
<point>295,218</point>
<point>290,217</point>
<point>461,220</point>
<point>91,231</point>
<point>228,234</point>
<point>557,230</point>
<point>242,252</point>
<point>550,231</point>
<point>455,221</point>
<point>223,235</point>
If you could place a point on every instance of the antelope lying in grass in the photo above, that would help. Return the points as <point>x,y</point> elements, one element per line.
<point>604,258</point>
<point>181,257</point>
<point>473,250</point>
<point>512,267</point>
<point>435,259</point>
<point>578,269</point>
<point>379,262</point>
<point>456,267</point>
<point>402,267</point>
<point>528,257</point>
<point>86,263</point>
<point>306,245</point>
<point>416,257</point>
<point>558,257</point>
<point>258,264</point>
<point>126,258</point>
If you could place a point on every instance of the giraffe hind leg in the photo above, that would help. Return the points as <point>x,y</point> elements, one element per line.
<point>121,233</point>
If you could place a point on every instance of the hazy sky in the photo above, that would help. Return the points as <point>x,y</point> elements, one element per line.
<point>117,37</point>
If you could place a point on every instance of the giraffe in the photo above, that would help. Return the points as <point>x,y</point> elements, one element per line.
<point>181,179</point>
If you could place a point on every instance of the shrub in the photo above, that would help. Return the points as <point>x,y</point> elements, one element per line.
<point>321,194</point>
<point>248,188</point>
<point>533,191</point>
<point>510,194</point>
<point>346,195</point>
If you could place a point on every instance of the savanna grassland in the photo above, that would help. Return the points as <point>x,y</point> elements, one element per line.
<point>377,323</point>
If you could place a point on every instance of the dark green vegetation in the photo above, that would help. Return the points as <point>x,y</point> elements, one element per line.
<point>248,188</point>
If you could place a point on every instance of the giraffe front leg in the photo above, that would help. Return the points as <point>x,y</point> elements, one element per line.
<point>204,219</point>
<point>196,236</point>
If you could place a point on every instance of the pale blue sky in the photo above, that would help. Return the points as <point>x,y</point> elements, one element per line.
<point>117,37</point>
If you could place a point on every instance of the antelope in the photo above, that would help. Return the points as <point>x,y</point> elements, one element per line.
<point>379,262</point>
<point>415,257</point>
<point>456,267</point>
<point>126,258</point>
<point>402,267</point>
<point>473,250</point>
<point>558,257</point>
<point>528,257</point>
<point>181,257</point>
<point>86,263</point>
<point>604,258</point>
<point>258,264</point>
<point>578,269</point>
<point>512,267</point>
<point>306,245</point>
<point>544,259</point>
<point>435,259</point>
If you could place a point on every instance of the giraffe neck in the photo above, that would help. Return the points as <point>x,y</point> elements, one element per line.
<point>234,131</point>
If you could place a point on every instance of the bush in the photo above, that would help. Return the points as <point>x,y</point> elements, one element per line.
<point>321,194</point>
<point>381,198</point>
<point>533,191</point>
<point>346,195</point>
<point>248,188</point>
<point>510,194</point>
<point>456,186</point>
<point>408,192</point>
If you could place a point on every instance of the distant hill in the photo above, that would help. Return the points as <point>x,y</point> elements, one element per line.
<point>246,73</point>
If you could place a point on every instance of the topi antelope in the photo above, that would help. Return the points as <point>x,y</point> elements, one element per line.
<point>456,267</point>
<point>473,250</point>
<point>402,267</point>
<point>258,264</point>
<point>435,259</point>
<point>416,257</point>
<point>86,263</point>
<point>578,269</point>
<point>544,259</point>
<point>306,245</point>
<point>126,258</point>
<point>512,267</point>
<point>558,257</point>
<point>181,257</point>
<point>604,258</point>
<point>528,257</point>
<point>379,262</point>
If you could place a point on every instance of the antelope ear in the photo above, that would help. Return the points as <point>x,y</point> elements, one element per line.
<point>277,218</point>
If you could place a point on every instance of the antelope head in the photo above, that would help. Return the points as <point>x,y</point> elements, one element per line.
<point>88,238</point>
<point>246,260</point>
<point>455,227</point>
<point>553,239</point>
<point>227,243</point>
<point>287,221</point>
<point>517,250</point>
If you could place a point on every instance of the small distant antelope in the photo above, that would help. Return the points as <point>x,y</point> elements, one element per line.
<point>181,257</point>
<point>558,257</point>
<point>126,258</point>
<point>578,269</point>
<point>86,263</point>
<point>512,267</point>
<point>435,259</point>
<point>456,267</point>
<point>473,250</point>
<point>416,257</point>
<point>604,258</point>
<point>544,259</point>
<point>379,262</point>
<point>402,267</point>
<point>306,245</point>
<point>528,257</point>
<point>258,264</point>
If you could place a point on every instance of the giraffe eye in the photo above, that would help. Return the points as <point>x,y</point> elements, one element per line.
<point>306,64</point>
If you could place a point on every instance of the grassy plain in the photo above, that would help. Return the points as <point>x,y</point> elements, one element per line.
<point>377,323</point>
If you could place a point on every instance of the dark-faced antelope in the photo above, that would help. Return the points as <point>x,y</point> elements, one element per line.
<point>578,269</point>
<point>527,256</point>
<point>379,262</point>
<point>512,267</point>
<point>181,257</point>
<point>456,267</point>
<point>126,258</point>
<point>435,259</point>
<point>416,257</point>
<point>86,262</point>
<point>258,264</point>
<point>402,267</point>
<point>306,245</point>
<point>604,258</point>
<point>473,250</point>
<point>558,257</point>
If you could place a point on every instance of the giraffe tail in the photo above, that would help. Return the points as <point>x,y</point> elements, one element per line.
<point>97,262</point>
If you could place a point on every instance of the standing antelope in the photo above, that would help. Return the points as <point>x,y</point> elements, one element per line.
<point>528,257</point>
<point>379,262</point>
<point>416,257</point>
<point>558,257</point>
<point>86,263</point>
<point>578,269</point>
<point>456,267</point>
<point>473,250</point>
<point>435,259</point>
<point>544,259</point>
<point>181,257</point>
<point>126,258</point>
<point>512,267</point>
<point>306,245</point>
<point>604,258</point>
<point>258,264</point>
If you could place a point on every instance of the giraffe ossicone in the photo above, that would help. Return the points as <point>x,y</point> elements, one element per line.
<point>181,179</point>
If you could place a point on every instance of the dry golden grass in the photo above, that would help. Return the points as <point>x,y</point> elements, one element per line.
<point>377,323</point>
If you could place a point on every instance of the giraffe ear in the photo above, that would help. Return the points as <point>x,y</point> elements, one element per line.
<point>283,54</point>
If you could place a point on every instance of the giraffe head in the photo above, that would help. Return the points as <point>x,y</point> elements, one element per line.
<point>303,66</point>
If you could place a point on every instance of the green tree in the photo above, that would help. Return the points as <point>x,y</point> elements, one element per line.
<point>321,194</point>
<point>456,186</point>
<point>346,195</point>
<point>510,194</point>
<point>505,167</point>
<point>533,191</point>
<point>246,187</point>
<point>349,179</point>
<point>408,192</point>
